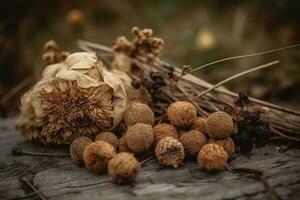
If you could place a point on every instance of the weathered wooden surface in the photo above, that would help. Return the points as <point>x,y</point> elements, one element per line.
<point>59,178</point>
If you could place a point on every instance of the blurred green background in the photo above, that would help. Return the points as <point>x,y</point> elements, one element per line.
<point>195,32</point>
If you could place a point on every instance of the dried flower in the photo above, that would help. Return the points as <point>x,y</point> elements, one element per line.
<point>140,137</point>
<point>219,125</point>
<point>123,168</point>
<point>108,137</point>
<point>226,143</point>
<point>212,157</point>
<point>138,113</point>
<point>75,17</point>
<point>163,130</point>
<point>74,98</point>
<point>77,147</point>
<point>192,142</point>
<point>182,114</point>
<point>169,152</point>
<point>97,155</point>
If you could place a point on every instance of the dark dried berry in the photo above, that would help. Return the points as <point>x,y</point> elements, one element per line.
<point>244,97</point>
<point>136,84</point>
<point>243,141</point>
<point>239,103</point>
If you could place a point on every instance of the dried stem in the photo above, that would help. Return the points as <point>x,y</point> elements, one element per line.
<point>18,151</point>
<point>236,76</point>
<point>244,56</point>
<point>41,196</point>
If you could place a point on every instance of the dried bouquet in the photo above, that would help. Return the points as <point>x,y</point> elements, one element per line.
<point>140,104</point>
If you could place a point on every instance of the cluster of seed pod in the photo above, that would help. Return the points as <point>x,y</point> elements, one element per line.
<point>185,136</point>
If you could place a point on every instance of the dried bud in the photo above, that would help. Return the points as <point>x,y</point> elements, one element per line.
<point>192,142</point>
<point>123,168</point>
<point>138,113</point>
<point>49,57</point>
<point>77,147</point>
<point>140,137</point>
<point>219,125</point>
<point>182,114</point>
<point>164,130</point>
<point>169,152</point>
<point>226,143</point>
<point>108,137</point>
<point>51,45</point>
<point>212,157</point>
<point>199,124</point>
<point>97,155</point>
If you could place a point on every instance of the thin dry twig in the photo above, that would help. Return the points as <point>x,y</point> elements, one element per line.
<point>41,196</point>
<point>236,76</point>
<point>244,56</point>
<point>19,151</point>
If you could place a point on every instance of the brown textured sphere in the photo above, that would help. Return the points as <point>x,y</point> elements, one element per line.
<point>97,155</point>
<point>77,147</point>
<point>182,114</point>
<point>199,124</point>
<point>212,157</point>
<point>123,147</point>
<point>140,137</point>
<point>169,152</point>
<point>123,168</point>
<point>192,142</point>
<point>138,113</point>
<point>163,130</point>
<point>219,125</point>
<point>108,137</point>
<point>226,143</point>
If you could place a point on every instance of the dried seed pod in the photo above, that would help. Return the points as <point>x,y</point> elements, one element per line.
<point>123,168</point>
<point>138,113</point>
<point>77,147</point>
<point>163,130</point>
<point>123,147</point>
<point>192,142</point>
<point>97,155</point>
<point>169,152</point>
<point>199,124</point>
<point>212,157</point>
<point>226,143</point>
<point>182,114</point>
<point>108,137</point>
<point>140,137</point>
<point>219,125</point>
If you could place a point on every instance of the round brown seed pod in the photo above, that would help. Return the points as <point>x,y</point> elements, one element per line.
<point>163,130</point>
<point>182,114</point>
<point>138,113</point>
<point>108,137</point>
<point>97,155</point>
<point>226,143</point>
<point>123,147</point>
<point>199,124</point>
<point>123,168</point>
<point>219,125</point>
<point>77,147</point>
<point>192,142</point>
<point>169,152</point>
<point>212,157</point>
<point>140,137</point>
